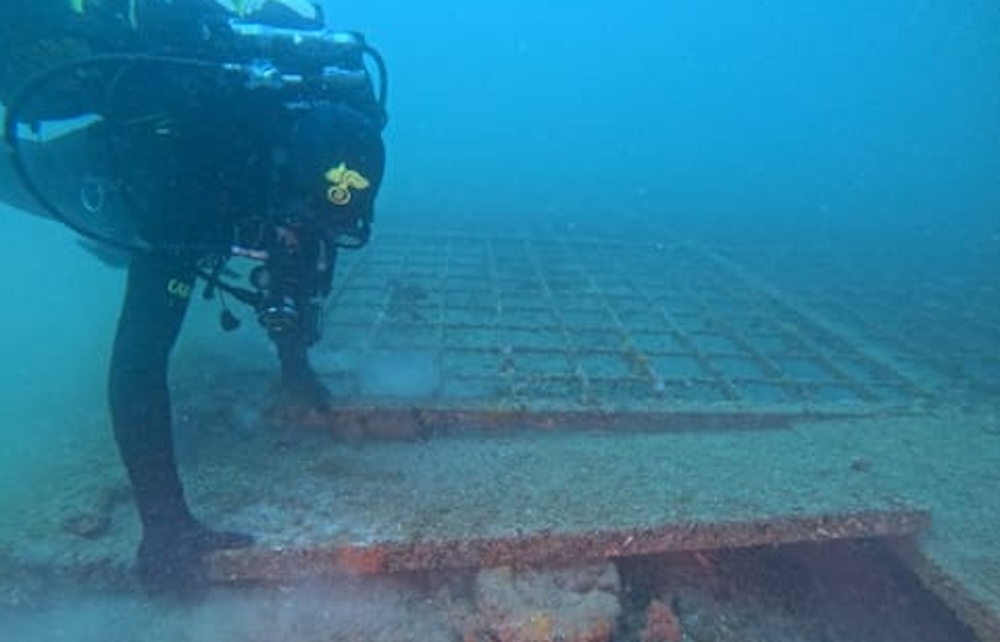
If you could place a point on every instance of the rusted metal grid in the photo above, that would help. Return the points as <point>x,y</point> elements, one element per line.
<point>934,311</point>
<point>591,329</point>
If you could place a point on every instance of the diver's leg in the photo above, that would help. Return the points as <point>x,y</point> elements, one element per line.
<point>156,300</point>
<point>302,388</point>
<point>173,542</point>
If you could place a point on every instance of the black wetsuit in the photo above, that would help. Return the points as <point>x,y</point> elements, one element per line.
<point>156,299</point>
<point>160,285</point>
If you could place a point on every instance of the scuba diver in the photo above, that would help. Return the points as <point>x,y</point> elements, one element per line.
<point>184,133</point>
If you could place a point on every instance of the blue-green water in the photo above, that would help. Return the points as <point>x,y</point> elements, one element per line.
<point>818,116</point>
<point>834,128</point>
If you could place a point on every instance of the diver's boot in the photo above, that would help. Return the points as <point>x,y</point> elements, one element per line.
<point>173,562</point>
<point>174,543</point>
<point>302,391</point>
<point>305,392</point>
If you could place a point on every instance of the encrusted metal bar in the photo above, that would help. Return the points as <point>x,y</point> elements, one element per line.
<point>551,548</point>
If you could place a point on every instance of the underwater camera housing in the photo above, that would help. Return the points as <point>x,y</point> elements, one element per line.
<point>320,61</point>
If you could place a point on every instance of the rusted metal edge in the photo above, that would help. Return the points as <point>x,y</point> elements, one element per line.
<point>397,422</point>
<point>551,548</point>
<point>979,616</point>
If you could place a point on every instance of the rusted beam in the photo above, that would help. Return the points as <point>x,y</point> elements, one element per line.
<point>551,548</point>
<point>970,607</point>
<point>388,422</point>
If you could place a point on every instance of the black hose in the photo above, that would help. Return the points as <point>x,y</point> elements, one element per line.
<point>383,81</point>
<point>21,99</point>
<point>242,295</point>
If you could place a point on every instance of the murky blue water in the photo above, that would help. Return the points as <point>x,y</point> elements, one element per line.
<point>835,128</point>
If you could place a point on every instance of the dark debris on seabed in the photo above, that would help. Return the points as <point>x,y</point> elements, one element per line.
<point>850,591</point>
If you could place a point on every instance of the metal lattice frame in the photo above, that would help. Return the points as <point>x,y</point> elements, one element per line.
<point>559,325</point>
<point>939,320</point>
